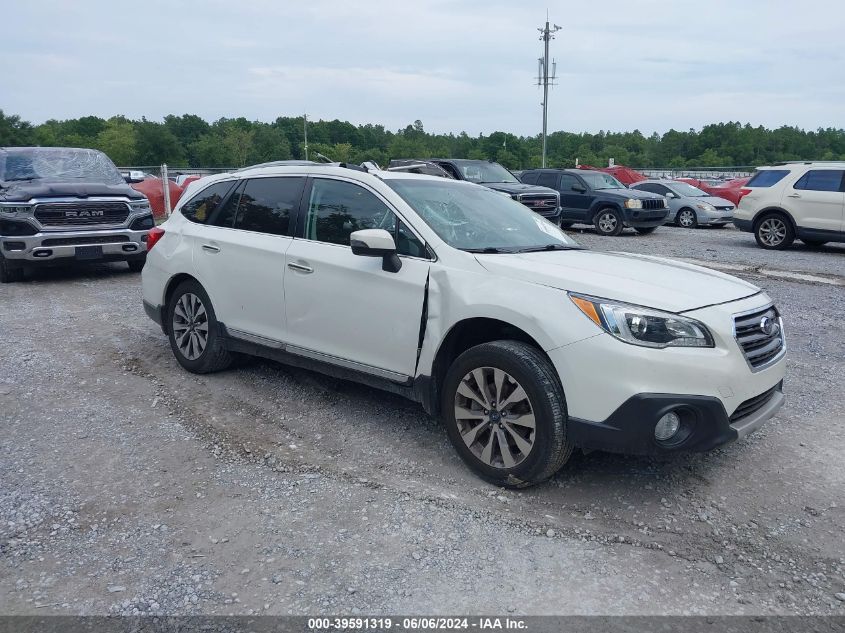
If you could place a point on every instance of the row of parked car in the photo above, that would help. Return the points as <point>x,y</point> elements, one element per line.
<point>795,200</point>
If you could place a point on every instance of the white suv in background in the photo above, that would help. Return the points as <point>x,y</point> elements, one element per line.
<point>804,200</point>
<point>523,343</point>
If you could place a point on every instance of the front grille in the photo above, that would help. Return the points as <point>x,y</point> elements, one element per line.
<point>541,203</point>
<point>82,213</point>
<point>752,405</point>
<point>726,208</point>
<point>93,239</point>
<point>759,345</point>
<point>649,203</point>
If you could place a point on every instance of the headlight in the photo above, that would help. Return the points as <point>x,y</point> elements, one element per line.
<point>141,205</point>
<point>704,206</point>
<point>643,326</point>
<point>633,203</point>
<point>665,203</point>
<point>14,210</point>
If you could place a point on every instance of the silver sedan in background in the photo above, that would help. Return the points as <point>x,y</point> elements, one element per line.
<point>690,206</point>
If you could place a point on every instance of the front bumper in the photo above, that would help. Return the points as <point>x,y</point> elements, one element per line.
<point>704,423</point>
<point>551,216</point>
<point>49,246</point>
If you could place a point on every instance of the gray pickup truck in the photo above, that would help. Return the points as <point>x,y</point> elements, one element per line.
<point>60,204</point>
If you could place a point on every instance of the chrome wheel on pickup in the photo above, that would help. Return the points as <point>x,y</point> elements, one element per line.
<point>505,413</point>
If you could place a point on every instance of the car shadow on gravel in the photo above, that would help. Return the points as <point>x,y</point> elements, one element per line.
<point>77,271</point>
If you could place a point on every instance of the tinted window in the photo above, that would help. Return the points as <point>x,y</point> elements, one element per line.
<point>767,177</point>
<point>650,187</point>
<point>530,178</point>
<point>338,208</point>
<point>199,208</point>
<point>548,179</point>
<point>407,243</point>
<point>820,180</point>
<point>225,214</point>
<point>567,182</point>
<point>267,204</point>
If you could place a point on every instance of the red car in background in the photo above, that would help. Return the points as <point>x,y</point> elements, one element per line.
<point>152,187</point>
<point>727,189</point>
<point>625,175</point>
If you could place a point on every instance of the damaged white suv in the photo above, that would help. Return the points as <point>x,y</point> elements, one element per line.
<point>525,344</point>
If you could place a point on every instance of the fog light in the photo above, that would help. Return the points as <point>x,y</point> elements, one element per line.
<point>667,426</point>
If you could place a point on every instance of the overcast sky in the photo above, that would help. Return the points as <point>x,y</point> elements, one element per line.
<point>458,66</point>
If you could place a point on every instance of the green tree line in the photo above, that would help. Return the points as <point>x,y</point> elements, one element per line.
<point>190,141</point>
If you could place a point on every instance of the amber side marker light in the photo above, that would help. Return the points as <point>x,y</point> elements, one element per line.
<point>588,308</point>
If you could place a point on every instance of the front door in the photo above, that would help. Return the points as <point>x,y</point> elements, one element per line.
<point>343,308</point>
<point>574,203</point>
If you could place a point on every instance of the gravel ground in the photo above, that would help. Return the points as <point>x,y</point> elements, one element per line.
<point>129,486</point>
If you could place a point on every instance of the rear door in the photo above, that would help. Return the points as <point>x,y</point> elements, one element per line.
<point>240,258</point>
<point>343,308</point>
<point>817,200</point>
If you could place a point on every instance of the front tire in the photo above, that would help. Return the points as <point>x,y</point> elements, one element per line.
<point>774,231</point>
<point>9,273</point>
<point>687,219</point>
<point>193,330</point>
<point>609,222</point>
<point>516,445</point>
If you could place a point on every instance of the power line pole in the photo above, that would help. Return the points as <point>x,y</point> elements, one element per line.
<point>544,77</point>
<point>305,128</point>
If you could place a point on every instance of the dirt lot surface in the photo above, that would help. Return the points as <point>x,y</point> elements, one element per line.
<point>130,486</point>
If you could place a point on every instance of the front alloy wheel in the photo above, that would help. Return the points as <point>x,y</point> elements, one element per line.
<point>609,222</point>
<point>494,417</point>
<point>687,218</point>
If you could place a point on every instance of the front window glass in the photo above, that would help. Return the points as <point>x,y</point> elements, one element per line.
<point>486,172</point>
<point>58,164</point>
<point>477,219</point>
<point>688,191</point>
<point>598,180</point>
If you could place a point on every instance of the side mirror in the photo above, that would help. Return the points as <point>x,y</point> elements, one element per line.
<point>578,188</point>
<point>671,195</point>
<point>134,176</point>
<point>376,243</point>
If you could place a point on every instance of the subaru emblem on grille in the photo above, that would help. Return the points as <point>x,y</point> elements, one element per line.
<point>769,326</point>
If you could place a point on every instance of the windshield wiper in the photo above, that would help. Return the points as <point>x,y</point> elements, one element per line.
<point>488,249</point>
<point>549,247</point>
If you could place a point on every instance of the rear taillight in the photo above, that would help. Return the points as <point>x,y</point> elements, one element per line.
<point>155,234</point>
<point>742,193</point>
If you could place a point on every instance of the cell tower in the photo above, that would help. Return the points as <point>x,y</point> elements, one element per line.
<point>546,78</point>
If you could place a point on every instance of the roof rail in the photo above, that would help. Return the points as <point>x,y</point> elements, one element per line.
<point>809,162</point>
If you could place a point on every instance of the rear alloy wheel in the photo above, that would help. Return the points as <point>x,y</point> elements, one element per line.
<point>774,232</point>
<point>9,273</point>
<point>609,222</point>
<point>194,332</point>
<point>505,413</point>
<point>687,219</point>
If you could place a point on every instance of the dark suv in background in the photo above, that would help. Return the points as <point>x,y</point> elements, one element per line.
<point>541,200</point>
<point>597,198</point>
<point>62,204</point>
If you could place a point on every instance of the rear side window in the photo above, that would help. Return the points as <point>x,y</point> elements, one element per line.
<point>820,180</point>
<point>767,177</point>
<point>548,179</point>
<point>530,178</point>
<point>200,208</point>
<point>266,205</point>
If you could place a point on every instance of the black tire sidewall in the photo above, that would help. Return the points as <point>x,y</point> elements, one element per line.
<point>547,410</point>
<point>203,363</point>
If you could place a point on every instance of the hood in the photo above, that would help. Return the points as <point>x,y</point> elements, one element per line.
<point>653,282</point>
<point>715,201</point>
<point>23,191</point>
<point>629,193</point>
<point>518,187</point>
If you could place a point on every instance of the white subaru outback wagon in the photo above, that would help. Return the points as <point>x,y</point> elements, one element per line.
<point>523,343</point>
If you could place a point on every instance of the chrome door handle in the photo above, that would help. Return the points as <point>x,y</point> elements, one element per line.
<point>300,267</point>
<point>211,249</point>
<point>793,195</point>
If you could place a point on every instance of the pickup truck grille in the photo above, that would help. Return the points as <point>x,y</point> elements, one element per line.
<point>544,204</point>
<point>653,204</point>
<point>82,213</point>
<point>760,336</point>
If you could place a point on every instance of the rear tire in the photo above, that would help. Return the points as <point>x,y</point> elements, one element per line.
<point>518,445</point>
<point>646,230</point>
<point>774,231</point>
<point>193,330</point>
<point>9,273</point>
<point>609,222</point>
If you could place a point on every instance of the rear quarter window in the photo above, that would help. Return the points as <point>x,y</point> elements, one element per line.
<point>767,177</point>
